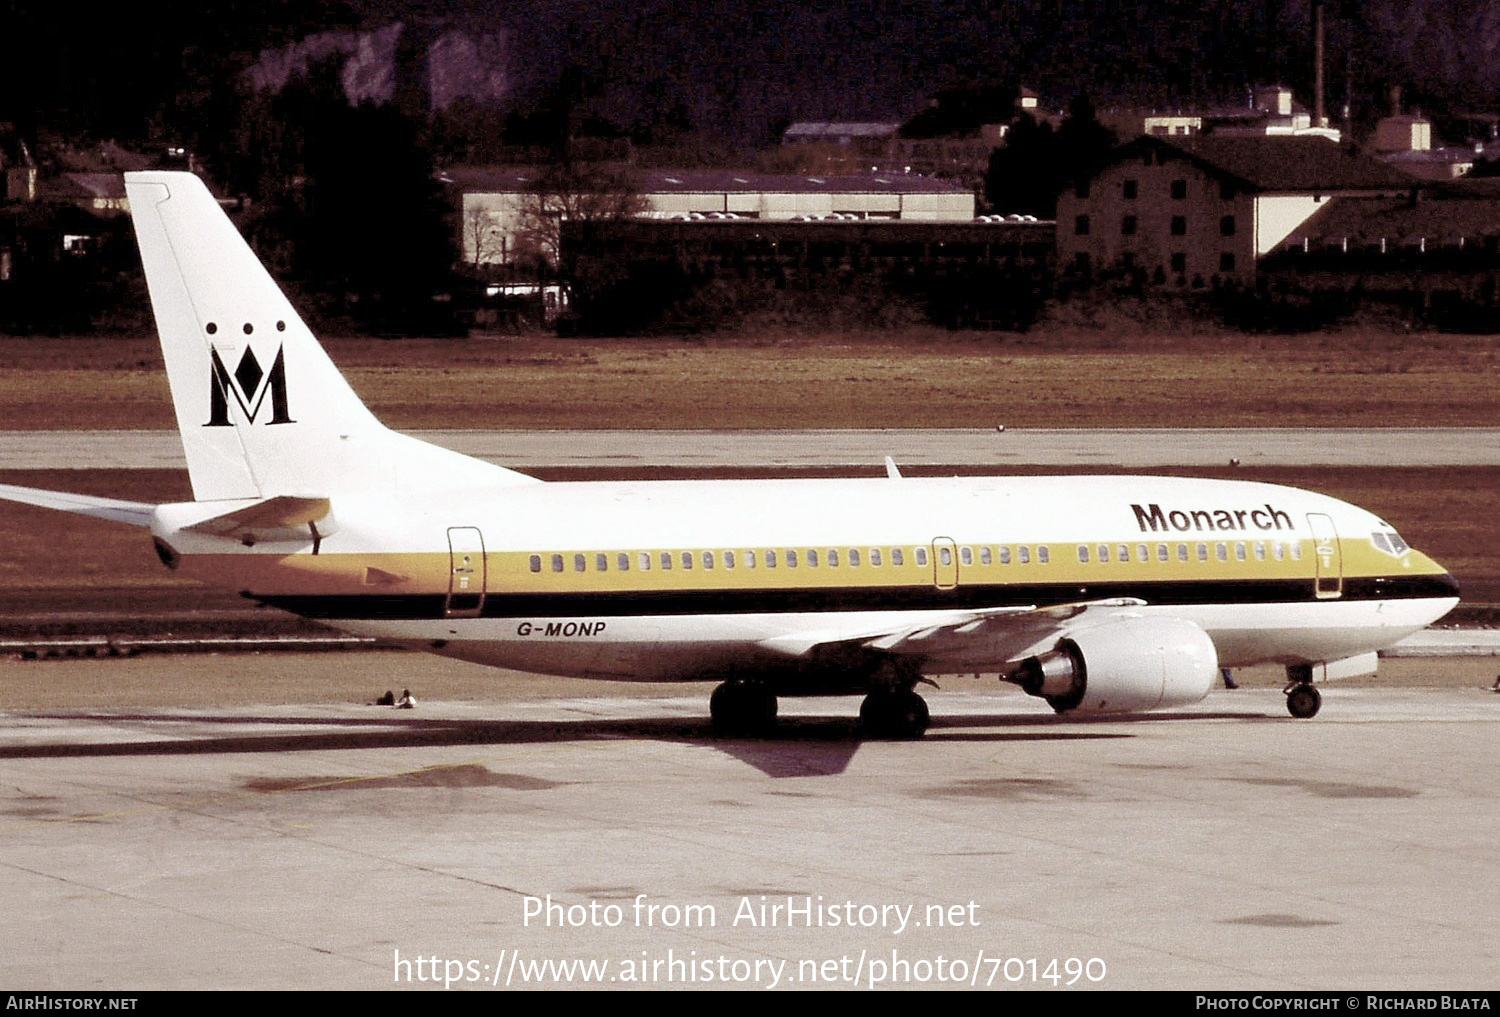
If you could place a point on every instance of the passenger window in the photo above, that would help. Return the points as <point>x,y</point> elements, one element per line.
<point>536,563</point>
<point>985,557</point>
<point>1296,548</point>
<point>1182,552</point>
<point>687,559</point>
<point>1203,552</point>
<point>729,559</point>
<point>622,561</point>
<point>1260,551</point>
<point>875,557</point>
<point>966,556</point>
<point>921,556</point>
<point>1278,551</point>
<point>601,562</point>
<point>945,555</point>
<point>748,558</point>
<point>708,559</point>
<point>1004,556</point>
<point>1161,552</point>
<point>1023,555</point>
<point>854,557</point>
<point>644,561</point>
<point>833,558</point>
<point>1103,550</point>
<point>580,562</point>
<point>1142,553</point>
<point>666,559</point>
<point>791,559</point>
<point>812,559</point>
<point>1043,555</point>
<point>557,563</point>
<point>1124,552</point>
<point>1239,550</point>
<point>1221,551</point>
<point>1083,553</point>
<point>770,559</point>
<point>896,556</point>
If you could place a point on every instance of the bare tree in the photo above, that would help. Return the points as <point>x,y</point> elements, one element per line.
<point>574,193</point>
<point>483,241</point>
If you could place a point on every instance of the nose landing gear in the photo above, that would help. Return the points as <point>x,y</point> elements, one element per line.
<point>1302,699</point>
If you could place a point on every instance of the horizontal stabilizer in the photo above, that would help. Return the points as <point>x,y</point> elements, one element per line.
<point>284,517</point>
<point>133,512</point>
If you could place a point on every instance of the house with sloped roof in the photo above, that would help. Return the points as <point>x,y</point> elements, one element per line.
<point>1195,211</point>
<point>1450,219</point>
<point>1434,252</point>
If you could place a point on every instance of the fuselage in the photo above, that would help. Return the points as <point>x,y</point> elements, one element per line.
<point>698,579</point>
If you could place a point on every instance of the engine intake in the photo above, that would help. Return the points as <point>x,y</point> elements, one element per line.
<point>1124,666</point>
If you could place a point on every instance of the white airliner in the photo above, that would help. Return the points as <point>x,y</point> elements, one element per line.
<point>1098,594</point>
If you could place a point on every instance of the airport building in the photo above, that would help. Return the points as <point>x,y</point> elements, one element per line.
<point>499,209</point>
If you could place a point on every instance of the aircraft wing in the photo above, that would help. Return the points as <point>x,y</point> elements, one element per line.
<point>970,639</point>
<point>133,512</point>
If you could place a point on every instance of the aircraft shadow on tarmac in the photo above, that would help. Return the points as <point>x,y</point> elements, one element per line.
<point>800,747</point>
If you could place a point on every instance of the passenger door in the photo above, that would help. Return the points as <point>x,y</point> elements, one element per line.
<point>467,573</point>
<point>944,563</point>
<point>1328,565</point>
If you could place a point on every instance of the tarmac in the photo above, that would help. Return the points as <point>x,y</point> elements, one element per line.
<point>541,838</point>
<point>513,832</point>
<point>1135,448</point>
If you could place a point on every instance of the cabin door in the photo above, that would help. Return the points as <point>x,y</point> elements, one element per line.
<point>944,563</point>
<point>467,573</point>
<point>1328,560</point>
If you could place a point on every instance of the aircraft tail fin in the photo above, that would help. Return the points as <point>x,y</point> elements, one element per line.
<point>262,410</point>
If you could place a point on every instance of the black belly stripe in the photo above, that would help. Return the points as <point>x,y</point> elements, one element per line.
<point>823,600</point>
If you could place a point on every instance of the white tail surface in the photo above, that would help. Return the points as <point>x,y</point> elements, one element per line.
<point>262,410</point>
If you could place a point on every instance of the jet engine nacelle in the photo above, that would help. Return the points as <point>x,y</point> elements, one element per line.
<point>1123,666</point>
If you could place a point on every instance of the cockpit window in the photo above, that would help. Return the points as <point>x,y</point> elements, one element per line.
<point>1390,542</point>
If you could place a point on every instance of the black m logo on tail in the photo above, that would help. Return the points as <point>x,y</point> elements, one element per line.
<point>249,384</point>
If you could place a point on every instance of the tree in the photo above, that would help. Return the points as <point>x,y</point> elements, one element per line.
<point>1023,173</point>
<point>1027,174</point>
<point>573,192</point>
<point>481,243</point>
<point>351,210</point>
<point>962,110</point>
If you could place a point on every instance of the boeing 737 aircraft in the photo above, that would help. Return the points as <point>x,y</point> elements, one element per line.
<point>1098,594</point>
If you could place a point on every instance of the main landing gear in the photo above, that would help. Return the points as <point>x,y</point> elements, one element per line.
<point>1302,700</point>
<point>746,707</point>
<point>743,707</point>
<point>896,714</point>
<point>893,710</point>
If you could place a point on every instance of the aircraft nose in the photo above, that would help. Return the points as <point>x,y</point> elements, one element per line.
<point>1448,583</point>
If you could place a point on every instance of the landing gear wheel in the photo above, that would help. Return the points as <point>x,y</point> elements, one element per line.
<point>897,715</point>
<point>743,708</point>
<point>1303,701</point>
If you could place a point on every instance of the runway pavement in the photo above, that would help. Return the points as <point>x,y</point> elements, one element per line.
<point>489,842</point>
<point>1139,448</point>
